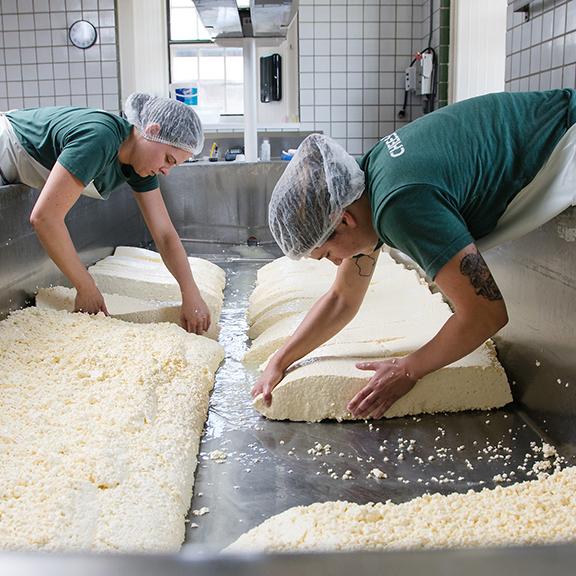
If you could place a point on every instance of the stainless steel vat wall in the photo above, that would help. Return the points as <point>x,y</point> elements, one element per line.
<point>219,204</point>
<point>537,276</point>
<point>95,226</point>
<point>527,561</point>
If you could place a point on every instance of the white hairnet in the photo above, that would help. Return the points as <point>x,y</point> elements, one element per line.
<point>179,124</point>
<point>308,201</point>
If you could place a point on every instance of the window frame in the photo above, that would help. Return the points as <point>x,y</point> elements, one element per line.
<point>199,43</point>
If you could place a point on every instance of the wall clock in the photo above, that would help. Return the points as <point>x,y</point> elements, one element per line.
<point>82,34</point>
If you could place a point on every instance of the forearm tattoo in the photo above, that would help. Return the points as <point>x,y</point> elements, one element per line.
<point>365,264</point>
<point>474,266</point>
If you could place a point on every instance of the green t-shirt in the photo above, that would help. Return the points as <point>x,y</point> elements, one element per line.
<point>84,141</point>
<point>443,181</point>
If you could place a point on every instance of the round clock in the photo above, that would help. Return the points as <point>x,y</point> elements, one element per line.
<point>82,34</point>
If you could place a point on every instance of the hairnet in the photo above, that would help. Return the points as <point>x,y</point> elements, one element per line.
<point>308,201</point>
<point>179,124</point>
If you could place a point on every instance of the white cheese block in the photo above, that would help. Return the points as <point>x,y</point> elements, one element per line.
<point>320,386</point>
<point>390,283</point>
<point>140,284</point>
<point>153,273</point>
<point>535,512</point>
<point>399,315</point>
<point>202,274</point>
<point>416,322</point>
<point>257,309</point>
<point>318,284</point>
<point>123,308</point>
<point>313,283</point>
<point>284,266</point>
<point>318,277</point>
<point>280,312</point>
<point>100,422</point>
<point>418,301</point>
<point>195,263</point>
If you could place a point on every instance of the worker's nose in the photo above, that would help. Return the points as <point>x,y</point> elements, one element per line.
<point>316,254</point>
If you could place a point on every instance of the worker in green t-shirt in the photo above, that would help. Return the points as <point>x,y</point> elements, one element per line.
<point>67,151</point>
<point>469,175</point>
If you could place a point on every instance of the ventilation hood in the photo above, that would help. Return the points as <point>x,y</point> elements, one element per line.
<point>263,19</point>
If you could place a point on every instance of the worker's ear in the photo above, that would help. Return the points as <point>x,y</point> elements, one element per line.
<point>348,220</point>
<point>152,129</point>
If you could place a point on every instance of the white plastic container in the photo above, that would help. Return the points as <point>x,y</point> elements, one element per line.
<point>265,151</point>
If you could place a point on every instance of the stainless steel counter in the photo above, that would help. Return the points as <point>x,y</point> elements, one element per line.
<point>268,469</point>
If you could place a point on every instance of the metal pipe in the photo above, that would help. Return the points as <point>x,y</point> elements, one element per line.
<point>250,110</point>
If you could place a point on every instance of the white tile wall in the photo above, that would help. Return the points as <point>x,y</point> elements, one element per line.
<point>39,66</point>
<point>352,57</point>
<point>542,50</point>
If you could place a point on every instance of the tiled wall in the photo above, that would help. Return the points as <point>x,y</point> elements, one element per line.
<point>40,67</point>
<point>353,54</point>
<point>541,52</point>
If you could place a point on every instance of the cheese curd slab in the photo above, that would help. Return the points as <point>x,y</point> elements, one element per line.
<point>529,513</point>
<point>122,307</point>
<point>195,263</point>
<point>320,386</point>
<point>393,320</point>
<point>399,315</point>
<point>140,274</point>
<point>100,423</point>
<point>310,282</point>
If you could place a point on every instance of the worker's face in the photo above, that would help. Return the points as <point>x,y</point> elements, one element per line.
<point>153,158</point>
<point>334,249</point>
<point>345,242</point>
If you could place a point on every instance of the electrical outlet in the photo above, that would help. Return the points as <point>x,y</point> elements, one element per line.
<point>427,64</point>
<point>410,79</point>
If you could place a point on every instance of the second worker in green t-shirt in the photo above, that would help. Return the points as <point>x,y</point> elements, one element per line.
<point>433,189</point>
<point>69,151</point>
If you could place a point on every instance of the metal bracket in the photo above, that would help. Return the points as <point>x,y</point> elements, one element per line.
<point>522,6</point>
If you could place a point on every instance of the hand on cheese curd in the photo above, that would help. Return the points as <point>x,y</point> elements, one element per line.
<point>391,380</point>
<point>195,315</point>
<point>90,300</point>
<point>479,312</point>
<point>267,382</point>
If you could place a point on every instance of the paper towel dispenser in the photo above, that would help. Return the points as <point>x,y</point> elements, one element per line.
<point>271,78</point>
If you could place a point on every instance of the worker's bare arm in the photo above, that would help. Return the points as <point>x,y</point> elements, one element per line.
<point>479,312</point>
<point>195,315</point>
<point>58,195</point>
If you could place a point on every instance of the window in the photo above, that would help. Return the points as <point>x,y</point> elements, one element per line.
<point>195,60</point>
